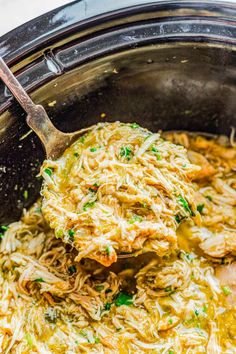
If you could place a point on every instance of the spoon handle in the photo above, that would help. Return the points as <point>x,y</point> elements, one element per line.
<point>16,89</point>
<point>54,141</point>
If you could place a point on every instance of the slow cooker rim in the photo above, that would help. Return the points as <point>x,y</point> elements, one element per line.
<point>14,46</point>
<point>227,39</point>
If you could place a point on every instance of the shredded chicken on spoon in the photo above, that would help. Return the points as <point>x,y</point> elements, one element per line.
<point>120,188</point>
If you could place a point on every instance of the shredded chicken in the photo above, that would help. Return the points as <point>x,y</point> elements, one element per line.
<point>119,189</point>
<point>180,302</point>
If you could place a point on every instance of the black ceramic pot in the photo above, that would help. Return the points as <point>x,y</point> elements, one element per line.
<point>164,64</point>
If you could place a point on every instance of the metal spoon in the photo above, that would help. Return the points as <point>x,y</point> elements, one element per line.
<point>54,141</point>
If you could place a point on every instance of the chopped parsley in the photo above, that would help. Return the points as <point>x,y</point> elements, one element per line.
<point>3,229</point>
<point>179,218</point>
<point>39,280</point>
<point>209,198</point>
<point>196,312</point>
<point>134,219</point>
<point>38,210</point>
<point>25,194</point>
<point>29,340</point>
<point>108,291</point>
<point>93,149</point>
<point>59,233</point>
<point>88,205</point>
<point>134,125</point>
<point>200,208</point>
<point>99,287</point>
<point>124,299</point>
<point>71,234</point>
<point>171,351</point>
<point>108,250</point>
<point>204,308</point>
<point>107,306</point>
<point>83,333</point>
<point>168,289</point>
<point>72,269</point>
<point>48,171</point>
<point>82,139</point>
<point>156,152</point>
<point>96,340</point>
<point>189,256</point>
<point>185,204</point>
<point>126,152</point>
<point>76,154</point>
<point>170,321</point>
<point>226,290</point>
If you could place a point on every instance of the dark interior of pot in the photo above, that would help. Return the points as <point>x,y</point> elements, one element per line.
<point>172,86</point>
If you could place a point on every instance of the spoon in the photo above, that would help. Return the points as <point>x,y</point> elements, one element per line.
<point>54,141</point>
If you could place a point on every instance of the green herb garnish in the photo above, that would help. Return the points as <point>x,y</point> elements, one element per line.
<point>25,194</point>
<point>93,149</point>
<point>185,204</point>
<point>99,287</point>
<point>204,308</point>
<point>76,154</point>
<point>29,340</point>
<point>124,299</point>
<point>39,280</point>
<point>71,234</point>
<point>108,250</point>
<point>189,256</point>
<point>4,228</point>
<point>59,233</point>
<point>156,152</point>
<point>209,198</point>
<point>96,340</point>
<point>72,269</point>
<point>107,306</point>
<point>196,312</point>
<point>134,219</point>
<point>226,290</point>
<point>126,152</point>
<point>82,139</point>
<point>88,205</point>
<point>168,289</point>
<point>179,218</point>
<point>171,351</point>
<point>38,210</point>
<point>134,125</point>
<point>200,208</point>
<point>48,171</point>
<point>170,321</point>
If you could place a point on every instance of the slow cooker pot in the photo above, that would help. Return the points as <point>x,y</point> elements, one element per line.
<point>164,64</point>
